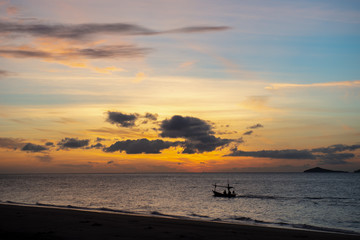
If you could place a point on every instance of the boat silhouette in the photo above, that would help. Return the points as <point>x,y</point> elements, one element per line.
<point>225,193</point>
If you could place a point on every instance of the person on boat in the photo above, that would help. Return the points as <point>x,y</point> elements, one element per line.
<point>225,192</point>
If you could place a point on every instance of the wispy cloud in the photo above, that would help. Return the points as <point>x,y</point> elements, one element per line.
<point>276,86</point>
<point>118,51</point>
<point>83,31</point>
<point>11,143</point>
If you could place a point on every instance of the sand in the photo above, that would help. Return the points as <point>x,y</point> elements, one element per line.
<point>25,222</point>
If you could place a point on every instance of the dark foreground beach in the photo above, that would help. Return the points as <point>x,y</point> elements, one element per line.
<point>25,222</point>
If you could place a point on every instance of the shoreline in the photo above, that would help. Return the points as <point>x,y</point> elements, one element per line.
<point>45,222</point>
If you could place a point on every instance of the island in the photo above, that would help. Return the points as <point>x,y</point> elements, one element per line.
<point>322,170</point>
<point>357,171</point>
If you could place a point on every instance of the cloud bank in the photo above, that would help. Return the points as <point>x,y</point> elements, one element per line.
<point>333,154</point>
<point>140,146</point>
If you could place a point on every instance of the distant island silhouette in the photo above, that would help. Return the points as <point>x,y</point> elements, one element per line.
<point>322,170</point>
<point>357,171</point>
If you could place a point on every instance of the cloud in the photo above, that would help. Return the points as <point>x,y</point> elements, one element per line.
<point>336,148</point>
<point>140,146</point>
<point>281,154</point>
<point>198,134</point>
<point>99,139</point>
<point>257,103</point>
<point>50,144</point>
<point>83,31</point>
<point>258,125</point>
<point>73,31</point>
<point>12,10</point>
<point>248,132</point>
<point>121,119</point>
<point>97,146</point>
<point>151,116</point>
<point>326,155</point>
<point>11,143</point>
<point>140,76</point>
<point>44,158</point>
<point>336,158</point>
<point>114,51</point>
<point>276,86</point>
<point>30,147</point>
<point>73,143</point>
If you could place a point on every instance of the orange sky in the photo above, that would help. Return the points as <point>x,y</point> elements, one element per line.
<point>134,86</point>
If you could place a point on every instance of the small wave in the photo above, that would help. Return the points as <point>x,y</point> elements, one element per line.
<point>113,210</point>
<point>324,229</point>
<point>198,215</point>
<point>258,196</point>
<point>302,226</point>
<point>165,215</point>
<point>247,219</point>
<point>326,198</point>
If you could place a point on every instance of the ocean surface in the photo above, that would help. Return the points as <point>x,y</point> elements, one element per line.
<point>316,201</point>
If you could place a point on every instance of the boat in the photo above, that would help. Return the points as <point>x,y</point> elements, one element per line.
<point>225,193</point>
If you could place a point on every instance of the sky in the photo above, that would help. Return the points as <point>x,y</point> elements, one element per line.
<point>179,86</point>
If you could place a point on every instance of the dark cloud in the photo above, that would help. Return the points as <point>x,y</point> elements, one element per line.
<point>73,143</point>
<point>98,146</point>
<point>88,53</point>
<point>73,31</point>
<point>83,31</point>
<point>99,139</point>
<point>110,162</point>
<point>283,154</point>
<point>140,146</point>
<point>30,147</point>
<point>204,144</point>
<point>124,120</point>
<point>198,134</point>
<point>248,132</point>
<point>18,53</point>
<point>11,143</point>
<point>326,155</point>
<point>151,116</point>
<point>185,127</point>
<point>336,148</point>
<point>256,126</point>
<point>336,158</point>
<point>50,144</point>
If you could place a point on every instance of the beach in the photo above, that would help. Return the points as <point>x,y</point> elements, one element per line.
<point>33,222</point>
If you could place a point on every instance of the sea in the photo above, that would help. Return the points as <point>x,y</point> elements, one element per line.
<point>313,201</point>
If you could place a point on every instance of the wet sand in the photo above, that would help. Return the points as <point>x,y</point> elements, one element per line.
<point>25,222</point>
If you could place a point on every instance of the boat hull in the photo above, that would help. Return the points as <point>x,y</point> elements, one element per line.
<point>218,194</point>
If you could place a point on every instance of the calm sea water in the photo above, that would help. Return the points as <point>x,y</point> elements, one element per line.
<point>318,201</point>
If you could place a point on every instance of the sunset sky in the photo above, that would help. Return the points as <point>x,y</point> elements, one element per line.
<point>179,86</point>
